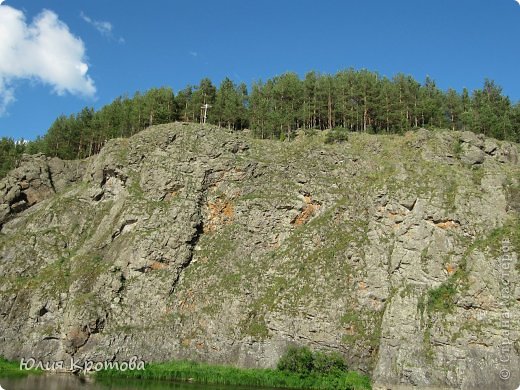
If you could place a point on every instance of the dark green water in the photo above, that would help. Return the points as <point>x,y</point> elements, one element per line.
<point>71,382</point>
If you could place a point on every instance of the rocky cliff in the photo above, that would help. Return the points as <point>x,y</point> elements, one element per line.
<point>184,241</point>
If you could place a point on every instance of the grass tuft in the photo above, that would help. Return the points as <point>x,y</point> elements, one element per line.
<point>10,369</point>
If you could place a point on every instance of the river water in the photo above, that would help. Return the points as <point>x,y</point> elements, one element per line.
<point>71,382</point>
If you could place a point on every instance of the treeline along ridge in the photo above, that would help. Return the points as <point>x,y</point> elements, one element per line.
<point>354,100</point>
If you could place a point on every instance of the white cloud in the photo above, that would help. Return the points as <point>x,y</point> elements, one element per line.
<point>6,97</point>
<point>45,51</point>
<point>103,27</point>
<point>518,1</point>
<point>195,54</point>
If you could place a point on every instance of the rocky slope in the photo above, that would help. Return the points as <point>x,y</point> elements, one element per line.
<point>194,242</point>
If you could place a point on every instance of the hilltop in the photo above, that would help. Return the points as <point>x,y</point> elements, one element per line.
<point>353,100</point>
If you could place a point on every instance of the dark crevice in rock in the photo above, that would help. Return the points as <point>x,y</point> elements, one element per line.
<point>143,269</point>
<point>51,181</point>
<point>409,205</point>
<point>17,205</point>
<point>123,226</point>
<point>171,192</point>
<point>199,230</point>
<point>199,226</point>
<point>122,279</point>
<point>444,223</point>
<point>42,311</point>
<point>96,326</point>
<point>108,173</point>
<point>20,203</point>
<point>118,298</point>
<point>25,189</point>
<point>98,196</point>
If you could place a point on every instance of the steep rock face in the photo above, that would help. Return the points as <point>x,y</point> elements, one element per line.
<point>37,178</point>
<point>401,252</point>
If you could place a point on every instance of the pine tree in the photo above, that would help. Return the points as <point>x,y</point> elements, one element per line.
<point>228,107</point>
<point>258,110</point>
<point>430,105</point>
<point>368,97</point>
<point>10,153</point>
<point>183,100</point>
<point>326,99</point>
<point>288,97</point>
<point>491,111</point>
<point>310,101</point>
<point>515,123</point>
<point>388,112</point>
<point>454,109</point>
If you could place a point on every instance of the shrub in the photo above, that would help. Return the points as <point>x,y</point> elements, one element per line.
<point>457,148</point>
<point>329,363</point>
<point>442,298</point>
<point>303,361</point>
<point>336,135</point>
<point>310,132</point>
<point>299,360</point>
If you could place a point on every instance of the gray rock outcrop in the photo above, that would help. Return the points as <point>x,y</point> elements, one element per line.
<point>193,242</point>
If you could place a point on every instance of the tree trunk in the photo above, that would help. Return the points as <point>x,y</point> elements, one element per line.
<point>330,111</point>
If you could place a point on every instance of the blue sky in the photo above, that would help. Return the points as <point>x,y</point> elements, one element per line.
<point>131,45</point>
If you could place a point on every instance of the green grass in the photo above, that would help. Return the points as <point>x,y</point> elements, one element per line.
<point>10,369</point>
<point>226,375</point>
<point>457,148</point>
<point>442,298</point>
